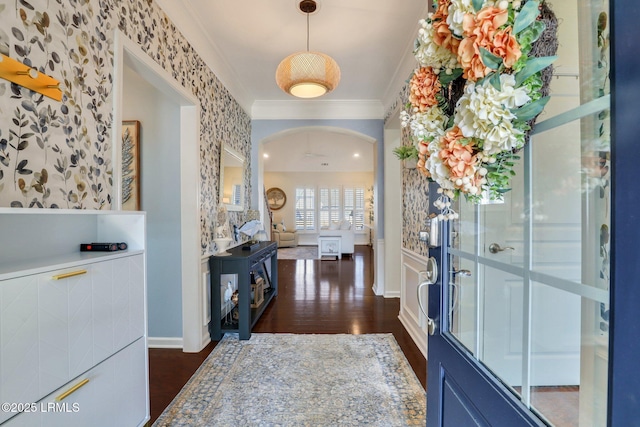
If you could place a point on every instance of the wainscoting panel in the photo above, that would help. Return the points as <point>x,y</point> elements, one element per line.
<point>410,315</point>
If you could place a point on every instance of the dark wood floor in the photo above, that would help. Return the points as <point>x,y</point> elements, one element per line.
<point>318,297</point>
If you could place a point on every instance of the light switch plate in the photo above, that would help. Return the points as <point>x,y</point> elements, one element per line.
<point>423,236</point>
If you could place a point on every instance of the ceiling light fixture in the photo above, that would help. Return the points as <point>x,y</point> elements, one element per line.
<point>308,74</point>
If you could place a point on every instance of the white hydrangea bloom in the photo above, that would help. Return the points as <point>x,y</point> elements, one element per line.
<point>501,137</point>
<point>428,125</point>
<point>429,54</point>
<point>484,112</point>
<point>457,10</point>
<point>509,96</point>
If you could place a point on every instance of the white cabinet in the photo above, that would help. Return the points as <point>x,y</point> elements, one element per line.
<point>329,246</point>
<point>110,394</point>
<point>66,316</point>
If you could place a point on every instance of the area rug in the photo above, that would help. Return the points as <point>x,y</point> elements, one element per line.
<point>301,380</point>
<point>299,252</point>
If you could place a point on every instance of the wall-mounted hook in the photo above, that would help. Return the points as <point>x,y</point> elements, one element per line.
<point>29,77</point>
<point>30,72</point>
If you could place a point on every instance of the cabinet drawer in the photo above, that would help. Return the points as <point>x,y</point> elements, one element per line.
<point>56,325</point>
<point>111,394</point>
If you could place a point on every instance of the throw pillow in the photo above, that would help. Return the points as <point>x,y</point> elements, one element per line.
<point>280,227</point>
<point>345,225</point>
<point>334,225</point>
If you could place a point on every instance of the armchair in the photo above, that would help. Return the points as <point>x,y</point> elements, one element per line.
<point>285,238</point>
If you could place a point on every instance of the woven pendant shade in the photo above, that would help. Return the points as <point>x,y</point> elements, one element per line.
<point>308,74</point>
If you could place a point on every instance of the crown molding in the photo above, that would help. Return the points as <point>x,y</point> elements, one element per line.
<point>405,67</point>
<point>187,20</point>
<point>317,109</point>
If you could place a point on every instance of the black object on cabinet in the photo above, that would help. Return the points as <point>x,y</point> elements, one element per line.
<point>243,263</point>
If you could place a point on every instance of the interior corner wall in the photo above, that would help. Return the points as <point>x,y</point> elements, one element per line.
<point>415,190</point>
<point>374,128</point>
<point>159,119</point>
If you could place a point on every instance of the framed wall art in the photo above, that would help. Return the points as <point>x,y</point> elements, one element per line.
<point>131,165</point>
<point>276,198</point>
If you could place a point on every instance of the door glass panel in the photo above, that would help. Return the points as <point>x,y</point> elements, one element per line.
<point>501,232</point>
<point>502,325</point>
<point>555,355</point>
<point>557,208</point>
<point>464,231</point>
<point>535,310</point>
<point>463,303</point>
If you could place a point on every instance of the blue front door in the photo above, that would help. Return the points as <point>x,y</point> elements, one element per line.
<point>535,305</point>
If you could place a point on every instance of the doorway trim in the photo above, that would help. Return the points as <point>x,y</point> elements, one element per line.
<point>378,194</point>
<point>154,74</point>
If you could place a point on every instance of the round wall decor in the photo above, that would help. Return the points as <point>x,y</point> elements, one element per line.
<point>276,198</point>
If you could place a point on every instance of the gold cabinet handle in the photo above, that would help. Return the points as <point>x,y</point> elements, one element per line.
<point>67,275</point>
<point>72,390</point>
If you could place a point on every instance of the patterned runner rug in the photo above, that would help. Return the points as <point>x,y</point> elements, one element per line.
<point>301,380</point>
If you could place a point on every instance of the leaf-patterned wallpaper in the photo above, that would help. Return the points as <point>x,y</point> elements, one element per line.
<point>58,154</point>
<point>415,192</point>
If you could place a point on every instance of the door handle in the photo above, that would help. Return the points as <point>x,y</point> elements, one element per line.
<point>494,248</point>
<point>462,273</point>
<point>431,274</point>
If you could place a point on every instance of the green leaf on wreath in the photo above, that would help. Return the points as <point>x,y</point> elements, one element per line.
<point>489,59</point>
<point>477,4</point>
<point>528,14</point>
<point>445,78</point>
<point>481,81</point>
<point>495,81</point>
<point>529,111</point>
<point>537,28</point>
<point>533,66</point>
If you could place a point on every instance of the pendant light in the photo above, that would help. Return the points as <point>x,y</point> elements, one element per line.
<point>308,74</point>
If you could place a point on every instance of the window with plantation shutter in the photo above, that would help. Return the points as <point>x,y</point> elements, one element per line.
<point>329,208</point>
<point>354,206</point>
<point>305,209</point>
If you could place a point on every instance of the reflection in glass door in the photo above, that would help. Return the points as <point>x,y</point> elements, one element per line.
<point>529,287</point>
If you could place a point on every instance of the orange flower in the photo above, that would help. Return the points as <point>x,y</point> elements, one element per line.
<point>460,158</point>
<point>442,35</point>
<point>469,57</point>
<point>506,46</point>
<point>424,87</point>
<point>483,31</point>
<point>421,166</point>
<point>490,19</point>
<point>423,155</point>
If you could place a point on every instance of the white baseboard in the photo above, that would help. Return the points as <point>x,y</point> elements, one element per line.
<point>392,294</point>
<point>160,342</point>
<point>416,333</point>
<point>206,339</point>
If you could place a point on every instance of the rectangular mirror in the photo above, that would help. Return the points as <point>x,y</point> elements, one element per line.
<point>231,179</point>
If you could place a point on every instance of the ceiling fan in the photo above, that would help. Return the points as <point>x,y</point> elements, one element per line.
<point>310,154</point>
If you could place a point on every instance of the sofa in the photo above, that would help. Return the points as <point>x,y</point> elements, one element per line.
<point>346,233</point>
<point>283,237</point>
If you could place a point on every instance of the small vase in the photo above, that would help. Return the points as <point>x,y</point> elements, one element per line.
<point>222,244</point>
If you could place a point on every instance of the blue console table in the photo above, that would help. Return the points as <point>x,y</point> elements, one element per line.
<point>242,263</point>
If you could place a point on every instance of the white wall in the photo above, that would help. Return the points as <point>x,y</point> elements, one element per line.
<point>160,191</point>
<point>390,287</point>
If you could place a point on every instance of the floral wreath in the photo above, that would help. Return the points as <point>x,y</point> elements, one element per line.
<point>483,76</point>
